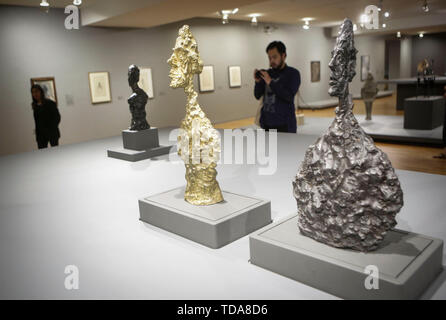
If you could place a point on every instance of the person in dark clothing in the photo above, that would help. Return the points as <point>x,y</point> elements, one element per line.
<point>278,87</point>
<point>46,118</point>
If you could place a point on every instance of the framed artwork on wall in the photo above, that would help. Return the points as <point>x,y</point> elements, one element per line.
<point>315,71</point>
<point>235,77</point>
<point>99,87</point>
<point>365,67</point>
<point>146,82</point>
<point>48,85</point>
<point>206,79</point>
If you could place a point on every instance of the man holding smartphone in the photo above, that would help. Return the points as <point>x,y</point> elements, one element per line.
<point>278,87</point>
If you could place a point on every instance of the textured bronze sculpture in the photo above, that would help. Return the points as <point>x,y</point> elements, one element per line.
<point>198,141</point>
<point>346,189</point>
<point>368,93</point>
<point>137,101</point>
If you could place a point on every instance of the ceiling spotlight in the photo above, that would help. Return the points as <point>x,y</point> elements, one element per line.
<point>398,34</point>
<point>306,25</point>
<point>380,5</point>
<point>225,15</point>
<point>421,34</point>
<point>384,25</point>
<point>254,19</point>
<point>77,2</point>
<point>425,6</point>
<point>225,19</point>
<point>45,6</point>
<point>386,14</point>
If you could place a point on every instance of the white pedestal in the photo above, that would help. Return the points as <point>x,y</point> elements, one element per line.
<point>214,225</point>
<point>407,262</point>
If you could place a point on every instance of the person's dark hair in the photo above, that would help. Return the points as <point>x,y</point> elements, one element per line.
<point>279,45</point>
<point>42,93</point>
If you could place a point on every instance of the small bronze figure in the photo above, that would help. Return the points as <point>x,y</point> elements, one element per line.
<point>137,101</point>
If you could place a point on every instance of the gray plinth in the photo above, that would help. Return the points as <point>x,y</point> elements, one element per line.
<point>424,113</point>
<point>135,155</point>
<point>140,140</point>
<point>140,145</point>
<point>214,225</point>
<point>407,262</point>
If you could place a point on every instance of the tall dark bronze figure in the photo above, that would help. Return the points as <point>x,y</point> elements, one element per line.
<point>137,101</point>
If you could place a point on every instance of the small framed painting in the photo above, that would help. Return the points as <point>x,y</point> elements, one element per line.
<point>315,71</point>
<point>206,79</point>
<point>48,85</point>
<point>145,81</point>
<point>235,77</point>
<point>99,87</point>
<point>365,67</point>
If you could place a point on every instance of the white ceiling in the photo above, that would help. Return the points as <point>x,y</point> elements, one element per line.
<point>405,14</point>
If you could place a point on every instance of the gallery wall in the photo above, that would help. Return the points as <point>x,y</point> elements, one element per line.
<point>406,58</point>
<point>34,44</point>
<point>431,46</point>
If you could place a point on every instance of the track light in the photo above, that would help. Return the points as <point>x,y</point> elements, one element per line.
<point>254,19</point>
<point>387,14</point>
<point>421,34</point>
<point>384,25</point>
<point>225,19</point>
<point>398,34</point>
<point>380,5</point>
<point>45,6</point>
<point>425,6</point>
<point>306,25</point>
<point>225,15</point>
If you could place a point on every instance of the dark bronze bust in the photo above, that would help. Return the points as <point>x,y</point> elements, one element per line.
<point>137,101</point>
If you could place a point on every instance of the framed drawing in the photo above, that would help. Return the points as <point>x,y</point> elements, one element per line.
<point>365,67</point>
<point>235,77</point>
<point>99,87</point>
<point>48,85</point>
<point>206,79</point>
<point>145,81</point>
<point>315,71</point>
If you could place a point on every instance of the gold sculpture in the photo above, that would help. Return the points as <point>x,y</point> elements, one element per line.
<point>198,141</point>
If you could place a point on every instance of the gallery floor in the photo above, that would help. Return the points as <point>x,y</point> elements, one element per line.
<point>72,205</point>
<point>403,156</point>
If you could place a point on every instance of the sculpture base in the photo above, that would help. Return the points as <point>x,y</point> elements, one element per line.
<point>424,113</point>
<point>140,145</point>
<point>407,262</point>
<point>214,225</point>
<point>135,155</point>
<point>140,140</point>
